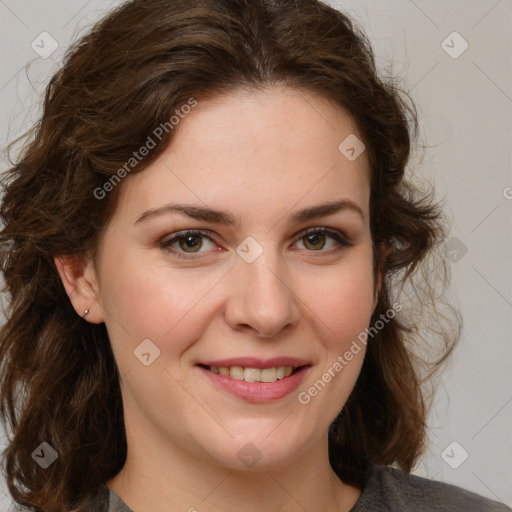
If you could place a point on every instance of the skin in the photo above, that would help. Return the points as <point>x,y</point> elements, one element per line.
<point>262,156</point>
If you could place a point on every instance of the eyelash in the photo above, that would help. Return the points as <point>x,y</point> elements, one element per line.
<point>166,243</point>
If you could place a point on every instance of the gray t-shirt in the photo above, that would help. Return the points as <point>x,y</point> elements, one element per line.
<point>386,490</point>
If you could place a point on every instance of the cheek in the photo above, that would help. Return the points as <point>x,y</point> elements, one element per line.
<point>341,302</point>
<point>350,311</point>
<point>149,297</point>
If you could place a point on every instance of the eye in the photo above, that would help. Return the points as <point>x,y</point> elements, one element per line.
<point>191,242</point>
<point>314,239</point>
<point>188,241</point>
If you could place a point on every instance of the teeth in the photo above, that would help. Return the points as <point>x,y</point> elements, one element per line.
<point>254,374</point>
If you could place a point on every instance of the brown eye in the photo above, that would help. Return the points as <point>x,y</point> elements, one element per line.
<point>188,242</point>
<point>316,239</point>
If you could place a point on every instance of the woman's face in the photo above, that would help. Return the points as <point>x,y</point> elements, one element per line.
<point>258,288</point>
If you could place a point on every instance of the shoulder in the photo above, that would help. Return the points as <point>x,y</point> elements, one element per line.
<point>390,489</point>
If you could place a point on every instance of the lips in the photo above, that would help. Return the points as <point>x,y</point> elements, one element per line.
<point>287,374</point>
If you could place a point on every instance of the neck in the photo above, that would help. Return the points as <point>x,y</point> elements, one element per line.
<point>156,480</point>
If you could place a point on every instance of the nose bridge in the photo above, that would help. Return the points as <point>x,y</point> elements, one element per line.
<point>262,298</point>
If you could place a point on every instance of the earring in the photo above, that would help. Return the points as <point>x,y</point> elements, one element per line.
<point>85,313</point>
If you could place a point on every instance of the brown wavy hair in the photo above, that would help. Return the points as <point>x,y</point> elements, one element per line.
<point>122,79</point>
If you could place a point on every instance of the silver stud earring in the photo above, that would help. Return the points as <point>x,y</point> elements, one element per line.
<point>85,313</point>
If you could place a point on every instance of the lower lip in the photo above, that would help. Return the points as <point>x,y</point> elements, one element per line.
<point>257,391</point>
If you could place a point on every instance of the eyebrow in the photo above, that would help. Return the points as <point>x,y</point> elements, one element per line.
<point>225,217</point>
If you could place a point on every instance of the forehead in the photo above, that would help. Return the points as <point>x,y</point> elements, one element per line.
<point>278,119</point>
<point>255,150</point>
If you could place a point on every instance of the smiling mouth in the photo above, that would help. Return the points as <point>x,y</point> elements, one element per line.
<point>248,374</point>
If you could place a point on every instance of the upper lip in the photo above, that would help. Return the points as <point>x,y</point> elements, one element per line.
<point>255,362</point>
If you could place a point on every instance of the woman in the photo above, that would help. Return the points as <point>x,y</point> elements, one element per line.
<point>205,249</point>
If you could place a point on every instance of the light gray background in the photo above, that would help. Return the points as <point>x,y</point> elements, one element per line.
<point>465,107</point>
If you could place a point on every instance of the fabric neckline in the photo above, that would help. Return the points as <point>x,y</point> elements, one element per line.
<point>361,505</point>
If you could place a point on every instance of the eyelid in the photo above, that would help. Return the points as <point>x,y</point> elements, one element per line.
<point>337,234</point>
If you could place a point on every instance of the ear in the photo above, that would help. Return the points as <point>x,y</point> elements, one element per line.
<point>80,282</point>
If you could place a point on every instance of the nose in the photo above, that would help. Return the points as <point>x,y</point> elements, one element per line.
<point>262,298</point>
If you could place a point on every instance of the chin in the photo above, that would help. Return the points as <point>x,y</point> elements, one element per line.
<point>258,452</point>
